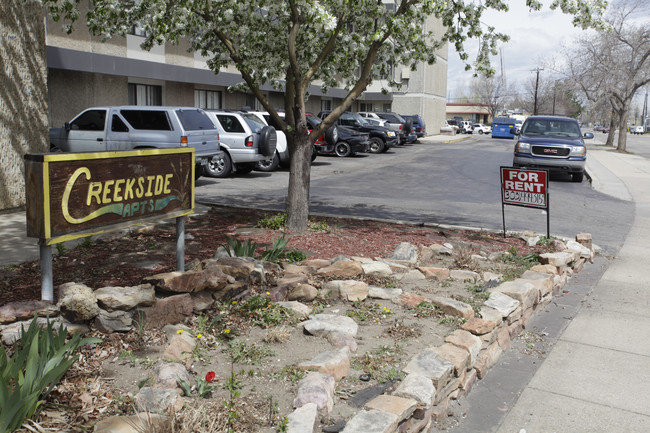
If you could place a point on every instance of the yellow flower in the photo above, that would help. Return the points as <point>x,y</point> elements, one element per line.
<point>199,335</point>
<point>180,331</point>
<point>268,293</point>
<point>226,331</point>
<point>234,302</point>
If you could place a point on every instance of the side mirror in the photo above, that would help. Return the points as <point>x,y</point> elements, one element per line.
<point>66,126</point>
<point>514,131</point>
<point>589,135</point>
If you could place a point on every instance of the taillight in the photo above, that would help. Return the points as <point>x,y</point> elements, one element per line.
<point>183,140</point>
<point>249,141</point>
<point>400,127</point>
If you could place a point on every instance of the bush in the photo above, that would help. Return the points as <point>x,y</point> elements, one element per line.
<point>38,363</point>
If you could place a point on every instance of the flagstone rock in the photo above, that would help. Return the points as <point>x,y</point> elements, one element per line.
<point>429,364</point>
<point>131,423</point>
<point>585,239</point>
<point>212,279</point>
<point>463,275</point>
<point>372,421</point>
<point>454,307</point>
<point>302,292</point>
<point>491,276</point>
<point>292,280</point>
<point>502,303</point>
<point>418,387</point>
<point>125,298</point>
<point>316,263</point>
<point>337,339</point>
<point>557,259</point>
<point>113,321</point>
<point>335,363</point>
<point>382,293</point>
<point>298,308</point>
<point>154,400</point>
<point>441,250</point>
<point>13,331</point>
<point>202,301</point>
<point>405,252</point>
<point>170,310</point>
<point>581,249</point>
<point>410,300</point>
<point>434,272</point>
<point>458,356</point>
<point>290,268</point>
<point>410,276</point>
<point>317,388</point>
<point>342,269</point>
<point>237,267</point>
<point>23,310</point>
<point>467,341</point>
<point>525,292</point>
<point>77,302</point>
<point>491,315</point>
<point>321,325</point>
<point>348,290</point>
<point>304,419</point>
<point>173,330</point>
<point>179,348</point>
<point>168,373</point>
<point>544,269</point>
<point>478,326</point>
<point>543,281</point>
<point>400,406</point>
<point>378,269</point>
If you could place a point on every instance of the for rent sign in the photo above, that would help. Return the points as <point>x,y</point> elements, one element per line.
<point>72,195</point>
<point>524,187</point>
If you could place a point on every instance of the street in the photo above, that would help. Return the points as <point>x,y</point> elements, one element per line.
<point>434,183</point>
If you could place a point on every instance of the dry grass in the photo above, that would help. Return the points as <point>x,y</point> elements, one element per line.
<point>278,334</point>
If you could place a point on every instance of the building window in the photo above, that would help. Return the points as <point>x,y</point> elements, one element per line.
<point>366,107</point>
<point>386,107</point>
<point>325,104</point>
<point>144,94</point>
<point>207,99</point>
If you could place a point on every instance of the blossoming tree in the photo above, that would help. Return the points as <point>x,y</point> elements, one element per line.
<point>292,44</point>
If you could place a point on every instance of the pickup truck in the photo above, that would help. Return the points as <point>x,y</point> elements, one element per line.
<point>101,129</point>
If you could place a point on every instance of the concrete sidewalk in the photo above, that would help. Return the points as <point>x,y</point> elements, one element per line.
<point>596,377</point>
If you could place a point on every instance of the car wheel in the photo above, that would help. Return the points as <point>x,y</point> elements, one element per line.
<point>577,177</point>
<point>376,145</point>
<point>218,166</point>
<point>268,141</point>
<point>268,164</point>
<point>332,135</point>
<point>480,131</point>
<point>314,153</point>
<point>342,149</point>
<point>408,126</point>
<point>245,168</point>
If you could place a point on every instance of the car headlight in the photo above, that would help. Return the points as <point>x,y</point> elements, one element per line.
<point>578,151</point>
<point>391,133</point>
<point>522,147</point>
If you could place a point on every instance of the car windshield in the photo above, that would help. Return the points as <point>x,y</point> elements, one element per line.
<point>551,127</point>
<point>360,119</point>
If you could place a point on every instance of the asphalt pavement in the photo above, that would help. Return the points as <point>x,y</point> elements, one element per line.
<point>595,376</point>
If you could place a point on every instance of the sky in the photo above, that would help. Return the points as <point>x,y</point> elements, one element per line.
<point>534,37</point>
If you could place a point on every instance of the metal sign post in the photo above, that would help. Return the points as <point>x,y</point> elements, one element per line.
<point>525,188</point>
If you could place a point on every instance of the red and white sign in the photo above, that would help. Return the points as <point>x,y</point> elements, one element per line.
<point>524,187</point>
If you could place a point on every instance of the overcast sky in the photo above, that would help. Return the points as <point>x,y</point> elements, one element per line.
<point>534,36</point>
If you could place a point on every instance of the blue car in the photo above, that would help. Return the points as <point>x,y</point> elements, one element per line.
<point>419,127</point>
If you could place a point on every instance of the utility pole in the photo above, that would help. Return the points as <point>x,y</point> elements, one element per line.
<point>536,87</point>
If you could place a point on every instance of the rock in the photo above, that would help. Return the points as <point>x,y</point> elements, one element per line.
<point>530,238</point>
<point>316,263</point>
<point>317,388</point>
<point>405,252</point>
<point>303,419</point>
<point>400,406</point>
<point>504,304</point>
<point>132,423</point>
<point>202,301</point>
<point>212,279</point>
<point>292,280</point>
<point>381,293</point>
<point>13,332</point>
<point>429,364</point>
<point>113,321</point>
<point>237,267</point>
<point>321,325</point>
<point>557,259</point>
<point>170,310</point>
<point>153,400</point>
<point>167,374</point>
<point>377,269</point>
<point>463,275</point>
<point>290,268</point>
<point>179,348</point>
<point>459,357</point>
<point>410,300</point>
<point>372,421</point>
<point>465,340</point>
<point>585,239</point>
<point>434,272</point>
<point>348,290</point>
<point>298,308</point>
<point>177,329</point>
<point>441,250</point>
<point>303,292</point>
<point>478,326</point>
<point>342,269</point>
<point>581,249</point>
<point>526,293</point>
<point>417,387</point>
<point>23,310</point>
<point>410,276</point>
<point>337,339</point>
<point>125,298</point>
<point>334,363</point>
<point>77,302</point>
<point>454,307</point>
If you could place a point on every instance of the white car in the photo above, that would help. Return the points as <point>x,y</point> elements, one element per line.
<point>637,129</point>
<point>281,157</point>
<point>479,128</point>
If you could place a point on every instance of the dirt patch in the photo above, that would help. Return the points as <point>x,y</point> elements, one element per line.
<point>255,352</point>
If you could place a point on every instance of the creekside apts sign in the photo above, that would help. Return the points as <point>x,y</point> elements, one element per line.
<point>74,195</point>
<point>527,188</point>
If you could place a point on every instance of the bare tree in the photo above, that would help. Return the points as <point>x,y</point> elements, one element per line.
<point>491,92</point>
<point>614,65</point>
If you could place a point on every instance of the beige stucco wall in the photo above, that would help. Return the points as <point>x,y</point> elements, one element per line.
<point>23,95</point>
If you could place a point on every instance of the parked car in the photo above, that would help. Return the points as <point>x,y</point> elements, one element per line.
<point>479,128</point>
<point>637,129</point>
<point>281,157</point>
<point>419,127</point>
<point>245,140</point>
<point>458,126</point>
<point>345,142</point>
<point>468,127</point>
<point>99,129</point>
<point>551,142</point>
<point>605,129</point>
<point>376,122</point>
<point>395,122</point>
<point>381,137</point>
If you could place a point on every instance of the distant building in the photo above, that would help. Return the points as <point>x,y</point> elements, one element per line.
<point>477,113</point>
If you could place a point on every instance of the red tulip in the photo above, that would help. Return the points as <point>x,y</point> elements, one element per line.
<point>210,376</point>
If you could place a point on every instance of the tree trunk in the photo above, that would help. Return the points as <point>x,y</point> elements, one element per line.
<point>612,130</point>
<point>622,130</point>
<point>299,178</point>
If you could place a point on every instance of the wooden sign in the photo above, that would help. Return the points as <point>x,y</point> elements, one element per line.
<point>74,195</point>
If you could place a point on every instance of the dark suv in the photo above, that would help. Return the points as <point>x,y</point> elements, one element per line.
<point>381,138</point>
<point>551,142</point>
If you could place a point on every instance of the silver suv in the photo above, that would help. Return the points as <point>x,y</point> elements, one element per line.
<point>100,129</point>
<point>245,140</point>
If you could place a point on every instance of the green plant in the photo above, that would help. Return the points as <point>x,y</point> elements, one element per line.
<point>40,360</point>
<point>204,386</point>
<point>295,256</point>
<point>276,252</point>
<point>262,312</point>
<point>61,249</point>
<point>251,354</point>
<point>319,226</point>
<point>237,248</point>
<point>452,321</point>
<point>274,223</point>
<point>427,309</point>
<point>521,263</point>
<point>380,363</point>
<point>233,385</point>
<point>362,311</point>
<point>290,372</point>
<point>283,425</point>
<point>463,259</point>
<point>87,242</point>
